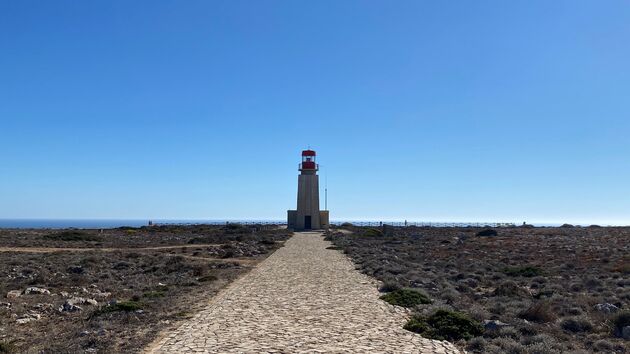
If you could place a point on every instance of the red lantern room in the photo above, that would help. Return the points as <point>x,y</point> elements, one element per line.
<point>308,161</point>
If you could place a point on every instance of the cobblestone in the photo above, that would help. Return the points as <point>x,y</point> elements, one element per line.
<point>304,298</point>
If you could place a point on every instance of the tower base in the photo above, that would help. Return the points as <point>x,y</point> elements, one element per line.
<point>308,222</point>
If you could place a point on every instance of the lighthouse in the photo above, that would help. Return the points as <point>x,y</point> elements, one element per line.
<point>308,216</point>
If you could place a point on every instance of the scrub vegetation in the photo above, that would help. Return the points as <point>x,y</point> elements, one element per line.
<point>504,290</point>
<point>73,291</point>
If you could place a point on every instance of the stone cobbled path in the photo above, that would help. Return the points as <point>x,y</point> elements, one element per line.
<point>304,298</point>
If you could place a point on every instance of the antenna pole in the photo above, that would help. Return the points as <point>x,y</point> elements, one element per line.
<point>326,192</point>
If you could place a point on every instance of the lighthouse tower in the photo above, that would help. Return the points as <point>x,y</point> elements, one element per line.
<point>308,216</point>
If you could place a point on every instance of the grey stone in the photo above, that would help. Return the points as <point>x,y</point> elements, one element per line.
<point>606,308</point>
<point>625,333</point>
<point>68,307</point>
<point>36,290</point>
<point>494,325</point>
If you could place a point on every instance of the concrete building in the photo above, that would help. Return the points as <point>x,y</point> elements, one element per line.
<point>308,216</point>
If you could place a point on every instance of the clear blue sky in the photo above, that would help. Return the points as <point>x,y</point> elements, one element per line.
<point>419,110</point>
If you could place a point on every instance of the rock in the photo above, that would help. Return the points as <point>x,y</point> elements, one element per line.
<point>625,333</point>
<point>81,301</point>
<point>5,304</point>
<point>76,300</point>
<point>43,306</point>
<point>29,317</point>
<point>14,294</point>
<point>102,295</point>
<point>84,333</point>
<point>494,325</point>
<point>64,294</point>
<point>67,307</point>
<point>606,308</point>
<point>35,290</point>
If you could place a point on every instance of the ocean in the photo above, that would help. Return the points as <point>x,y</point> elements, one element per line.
<point>103,223</point>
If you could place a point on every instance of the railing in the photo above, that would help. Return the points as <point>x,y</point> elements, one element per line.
<point>354,223</point>
<point>422,224</point>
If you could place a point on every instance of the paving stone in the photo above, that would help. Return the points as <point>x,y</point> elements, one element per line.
<point>302,298</point>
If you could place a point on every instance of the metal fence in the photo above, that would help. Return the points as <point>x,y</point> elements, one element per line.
<point>423,224</point>
<point>353,223</point>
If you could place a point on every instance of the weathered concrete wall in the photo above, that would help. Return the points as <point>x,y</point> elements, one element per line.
<point>308,201</point>
<point>324,219</point>
<point>291,219</point>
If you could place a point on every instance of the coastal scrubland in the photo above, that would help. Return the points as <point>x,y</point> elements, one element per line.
<point>114,290</point>
<point>505,290</point>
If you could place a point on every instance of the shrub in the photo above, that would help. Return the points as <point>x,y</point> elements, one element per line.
<point>417,324</point>
<point>510,288</point>
<point>7,347</point>
<point>508,346</point>
<point>620,321</point>
<point>406,298</point>
<point>576,325</point>
<point>373,232</point>
<point>487,232</point>
<point>208,278</point>
<point>389,286</point>
<point>154,294</point>
<point>445,325</point>
<point>603,345</point>
<point>526,271</point>
<point>346,225</point>
<point>539,312</point>
<point>124,306</point>
<point>476,345</point>
<point>72,235</point>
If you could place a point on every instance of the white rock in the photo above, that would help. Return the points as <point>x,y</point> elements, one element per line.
<point>606,308</point>
<point>14,294</point>
<point>36,290</point>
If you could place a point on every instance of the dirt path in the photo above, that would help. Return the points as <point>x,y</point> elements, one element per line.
<point>303,298</point>
<point>102,249</point>
<point>242,261</point>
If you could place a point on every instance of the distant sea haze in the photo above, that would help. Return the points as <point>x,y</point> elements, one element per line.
<point>102,223</point>
<point>113,223</point>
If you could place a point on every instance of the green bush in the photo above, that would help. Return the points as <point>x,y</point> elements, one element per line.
<point>72,235</point>
<point>526,271</point>
<point>406,298</point>
<point>417,324</point>
<point>124,306</point>
<point>445,325</point>
<point>373,232</point>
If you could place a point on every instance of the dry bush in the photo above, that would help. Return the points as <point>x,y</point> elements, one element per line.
<point>539,312</point>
